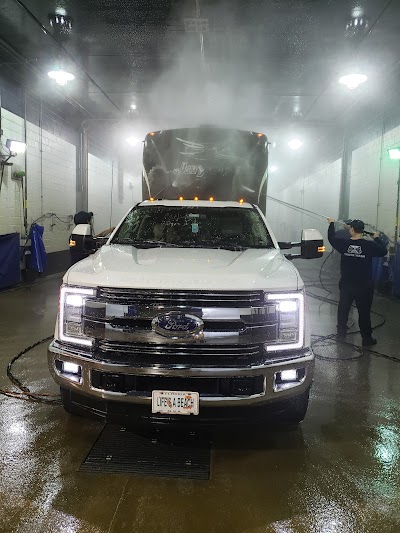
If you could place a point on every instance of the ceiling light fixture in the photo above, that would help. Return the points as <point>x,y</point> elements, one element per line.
<point>352,81</point>
<point>295,144</point>
<point>133,141</point>
<point>60,21</point>
<point>273,169</point>
<point>133,107</point>
<point>61,76</point>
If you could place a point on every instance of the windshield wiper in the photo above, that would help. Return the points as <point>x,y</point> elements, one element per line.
<point>142,244</point>
<point>231,247</point>
<point>147,243</point>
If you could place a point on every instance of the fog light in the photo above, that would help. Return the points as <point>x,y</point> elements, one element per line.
<point>71,368</point>
<point>288,375</point>
<point>287,379</point>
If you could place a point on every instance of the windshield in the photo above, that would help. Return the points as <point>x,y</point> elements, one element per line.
<point>217,227</point>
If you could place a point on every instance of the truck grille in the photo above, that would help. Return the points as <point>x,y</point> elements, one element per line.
<point>169,298</point>
<point>231,350</point>
<point>143,385</point>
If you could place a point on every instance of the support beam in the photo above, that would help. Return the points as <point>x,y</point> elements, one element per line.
<point>82,177</point>
<point>345,178</point>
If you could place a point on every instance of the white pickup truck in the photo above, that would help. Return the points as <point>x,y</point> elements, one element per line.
<point>189,312</point>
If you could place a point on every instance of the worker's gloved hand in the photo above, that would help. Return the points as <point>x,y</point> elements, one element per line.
<point>330,220</point>
<point>376,235</point>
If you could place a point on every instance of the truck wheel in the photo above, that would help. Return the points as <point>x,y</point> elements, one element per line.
<point>67,403</point>
<point>296,409</point>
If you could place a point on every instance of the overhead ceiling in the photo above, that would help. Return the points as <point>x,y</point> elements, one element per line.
<point>258,62</point>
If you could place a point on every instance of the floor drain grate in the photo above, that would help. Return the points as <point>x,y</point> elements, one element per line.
<point>121,451</point>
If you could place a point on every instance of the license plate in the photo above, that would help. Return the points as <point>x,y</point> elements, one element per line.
<point>175,402</point>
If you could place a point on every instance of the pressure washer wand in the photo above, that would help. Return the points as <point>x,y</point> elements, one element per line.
<point>314,213</point>
<point>325,217</point>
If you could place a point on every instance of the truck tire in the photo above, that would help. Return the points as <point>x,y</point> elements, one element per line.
<point>67,403</point>
<point>296,409</point>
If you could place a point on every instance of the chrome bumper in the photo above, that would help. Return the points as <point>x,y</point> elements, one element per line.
<point>83,385</point>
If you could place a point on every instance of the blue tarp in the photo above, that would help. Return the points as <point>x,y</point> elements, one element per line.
<point>10,273</point>
<point>396,272</point>
<point>38,252</point>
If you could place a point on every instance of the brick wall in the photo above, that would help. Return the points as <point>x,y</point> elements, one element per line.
<point>11,204</point>
<point>50,177</point>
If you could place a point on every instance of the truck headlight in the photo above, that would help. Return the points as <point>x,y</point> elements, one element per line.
<point>290,315</point>
<point>72,305</point>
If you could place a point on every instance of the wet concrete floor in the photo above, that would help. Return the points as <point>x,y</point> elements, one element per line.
<point>338,472</point>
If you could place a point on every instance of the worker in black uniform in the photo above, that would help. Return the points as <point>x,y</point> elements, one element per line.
<point>356,277</point>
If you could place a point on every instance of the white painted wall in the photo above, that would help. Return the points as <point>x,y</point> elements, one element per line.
<point>373,188</point>
<point>110,193</point>
<point>318,192</point>
<point>51,182</point>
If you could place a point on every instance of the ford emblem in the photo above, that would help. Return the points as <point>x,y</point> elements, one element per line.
<point>178,325</point>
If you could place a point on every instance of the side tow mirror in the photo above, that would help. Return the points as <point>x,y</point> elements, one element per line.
<point>312,244</point>
<point>99,242</point>
<point>285,245</point>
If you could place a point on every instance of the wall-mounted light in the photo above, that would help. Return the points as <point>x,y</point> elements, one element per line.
<point>394,153</point>
<point>273,169</point>
<point>16,147</point>
<point>61,76</point>
<point>295,144</point>
<point>133,141</point>
<point>133,107</point>
<point>352,81</point>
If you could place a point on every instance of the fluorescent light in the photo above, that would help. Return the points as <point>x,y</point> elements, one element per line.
<point>133,141</point>
<point>295,144</point>
<point>16,147</point>
<point>394,153</point>
<point>273,168</point>
<point>352,81</point>
<point>61,76</point>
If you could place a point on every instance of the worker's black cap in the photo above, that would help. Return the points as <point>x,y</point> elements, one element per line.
<point>83,217</point>
<point>357,225</point>
<point>348,221</point>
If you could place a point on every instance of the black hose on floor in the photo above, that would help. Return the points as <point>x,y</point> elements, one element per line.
<point>320,339</point>
<point>26,394</point>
